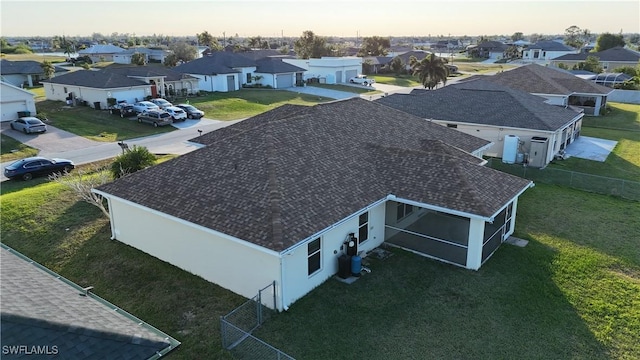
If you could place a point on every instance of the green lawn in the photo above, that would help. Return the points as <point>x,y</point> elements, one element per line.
<point>12,149</point>
<point>400,80</point>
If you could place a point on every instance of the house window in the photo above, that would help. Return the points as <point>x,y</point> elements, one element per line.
<point>403,210</point>
<point>248,78</point>
<point>313,251</point>
<point>454,126</point>
<point>363,228</point>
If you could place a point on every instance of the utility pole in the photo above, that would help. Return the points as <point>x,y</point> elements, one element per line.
<point>224,39</point>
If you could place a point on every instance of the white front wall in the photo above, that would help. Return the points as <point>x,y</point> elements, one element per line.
<point>543,55</point>
<point>328,67</point>
<point>233,264</point>
<point>242,78</point>
<point>90,95</point>
<point>560,100</point>
<point>13,100</point>
<point>216,82</point>
<point>296,280</point>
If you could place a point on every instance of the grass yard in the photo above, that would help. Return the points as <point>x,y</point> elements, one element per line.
<point>12,149</point>
<point>401,80</point>
<point>575,288</point>
<point>35,57</point>
<point>572,293</point>
<point>93,124</point>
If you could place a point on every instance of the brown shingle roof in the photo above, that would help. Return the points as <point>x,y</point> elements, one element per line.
<point>280,177</point>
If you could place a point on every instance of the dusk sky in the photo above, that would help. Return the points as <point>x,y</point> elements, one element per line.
<point>324,18</point>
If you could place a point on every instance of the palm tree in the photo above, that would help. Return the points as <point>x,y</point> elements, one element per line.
<point>48,69</point>
<point>431,70</point>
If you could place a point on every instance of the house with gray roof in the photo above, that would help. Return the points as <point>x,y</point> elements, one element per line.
<point>95,87</point>
<point>150,55</point>
<point>559,87</point>
<point>101,52</point>
<point>129,84</point>
<point>228,71</point>
<point>543,52</point>
<point>44,315</point>
<point>24,73</point>
<point>285,195</point>
<point>609,59</point>
<point>489,49</point>
<point>496,113</point>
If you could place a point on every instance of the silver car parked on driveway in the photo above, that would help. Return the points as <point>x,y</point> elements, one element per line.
<point>29,125</point>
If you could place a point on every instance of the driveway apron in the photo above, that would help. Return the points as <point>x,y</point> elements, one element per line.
<point>53,141</point>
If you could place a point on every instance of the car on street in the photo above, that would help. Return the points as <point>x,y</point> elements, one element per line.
<point>142,106</point>
<point>124,110</point>
<point>177,114</point>
<point>29,125</point>
<point>31,167</point>
<point>155,118</point>
<point>162,103</point>
<point>362,80</point>
<point>192,111</point>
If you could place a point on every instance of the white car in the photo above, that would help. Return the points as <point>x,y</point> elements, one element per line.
<point>362,80</point>
<point>29,125</point>
<point>143,106</point>
<point>176,113</point>
<point>162,103</point>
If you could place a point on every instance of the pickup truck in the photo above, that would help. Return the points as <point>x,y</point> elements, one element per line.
<point>362,80</point>
<point>155,117</point>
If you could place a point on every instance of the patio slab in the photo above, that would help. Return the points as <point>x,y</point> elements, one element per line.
<point>591,148</point>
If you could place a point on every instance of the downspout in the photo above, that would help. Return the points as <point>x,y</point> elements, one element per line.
<point>282,293</point>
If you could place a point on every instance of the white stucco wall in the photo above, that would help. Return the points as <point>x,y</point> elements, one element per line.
<point>14,99</point>
<point>327,67</point>
<point>216,82</point>
<point>296,280</point>
<point>236,265</point>
<point>57,92</point>
<point>560,100</point>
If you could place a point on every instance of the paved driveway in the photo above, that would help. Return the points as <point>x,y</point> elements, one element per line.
<point>317,91</point>
<point>53,141</point>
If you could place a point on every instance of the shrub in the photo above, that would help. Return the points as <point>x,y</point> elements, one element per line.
<point>131,161</point>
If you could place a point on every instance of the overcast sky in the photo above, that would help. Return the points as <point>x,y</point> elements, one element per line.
<point>325,18</point>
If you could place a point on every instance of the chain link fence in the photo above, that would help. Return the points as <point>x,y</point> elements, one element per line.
<point>238,325</point>
<point>594,183</point>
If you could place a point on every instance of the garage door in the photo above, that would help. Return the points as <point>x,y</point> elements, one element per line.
<point>284,81</point>
<point>350,73</point>
<point>10,109</point>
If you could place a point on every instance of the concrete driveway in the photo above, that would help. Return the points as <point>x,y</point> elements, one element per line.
<point>318,91</point>
<point>53,141</point>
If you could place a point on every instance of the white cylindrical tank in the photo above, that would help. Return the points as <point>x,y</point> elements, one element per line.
<point>510,149</point>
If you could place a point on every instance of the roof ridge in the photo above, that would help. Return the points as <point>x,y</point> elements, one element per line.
<point>462,174</point>
<point>275,196</point>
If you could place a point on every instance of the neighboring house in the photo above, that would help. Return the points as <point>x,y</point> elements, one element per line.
<point>220,71</point>
<point>609,59</point>
<point>278,197</point>
<point>26,73</point>
<point>489,50</point>
<point>151,55</point>
<point>47,316</point>
<point>493,112</point>
<point>559,87</point>
<point>95,87</point>
<point>275,73</point>
<point>543,52</point>
<point>377,63</point>
<point>99,53</point>
<point>164,81</point>
<point>13,100</point>
<point>330,70</point>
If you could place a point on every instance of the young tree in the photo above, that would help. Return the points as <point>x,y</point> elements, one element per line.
<point>138,59</point>
<point>82,183</point>
<point>374,46</point>
<point>48,69</point>
<point>591,63</point>
<point>184,51</point>
<point>131,161</point>
<point>397,65</point>
<point>431,70</point>
<point>517,36</point>
<point>310,46</point>
<point>607,41</point>
<point>573,36</point>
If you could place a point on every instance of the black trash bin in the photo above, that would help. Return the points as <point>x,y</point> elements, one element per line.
<point>24,113</point>
<point>96,105</point>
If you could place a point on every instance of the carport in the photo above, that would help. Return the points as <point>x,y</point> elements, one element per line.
<point>460,239</point>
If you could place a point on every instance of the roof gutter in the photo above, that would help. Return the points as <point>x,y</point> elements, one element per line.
<point>529,186</point>
<point>438,208</point>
